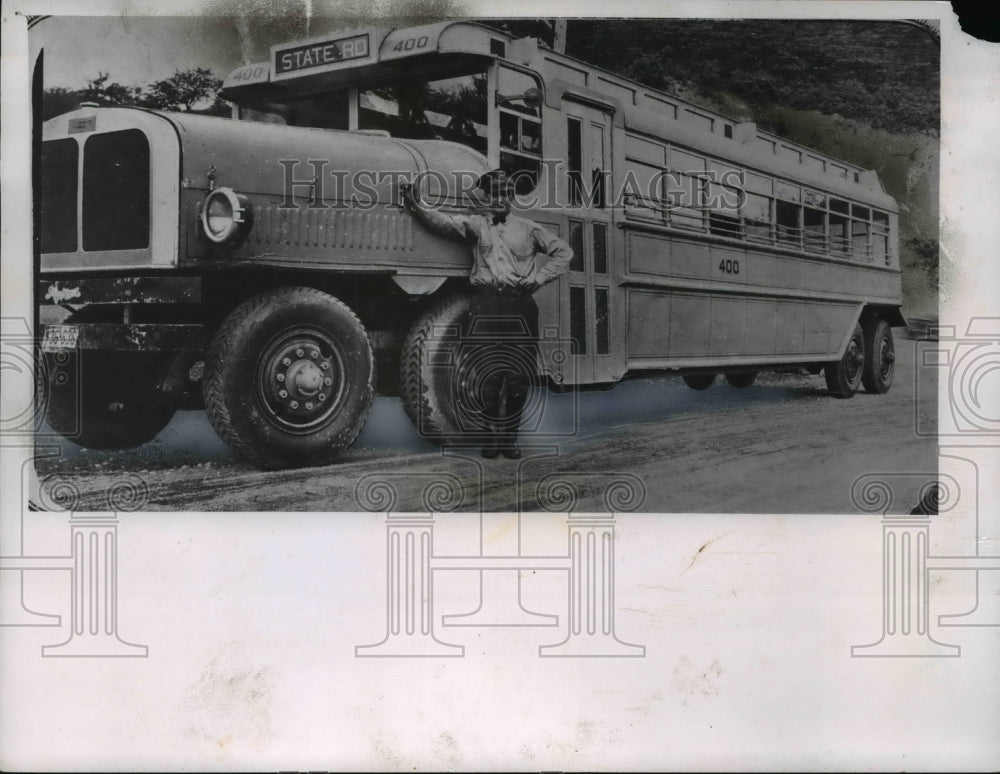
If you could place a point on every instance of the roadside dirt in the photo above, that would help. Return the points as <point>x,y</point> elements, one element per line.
<point>781,446</point>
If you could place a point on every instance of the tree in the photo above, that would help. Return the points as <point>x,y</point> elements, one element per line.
<point>59,100</point>
<point>189,91</point>
<point>183,91</point>
<point>109,94</point>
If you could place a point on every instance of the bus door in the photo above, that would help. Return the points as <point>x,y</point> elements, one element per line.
<point>591,299</point>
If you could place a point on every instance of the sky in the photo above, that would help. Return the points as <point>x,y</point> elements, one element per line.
<point>219,35</point>
<point>139,50</point>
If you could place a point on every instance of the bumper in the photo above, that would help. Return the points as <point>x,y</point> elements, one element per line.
<point>103,326</point>
<point>125,338</point>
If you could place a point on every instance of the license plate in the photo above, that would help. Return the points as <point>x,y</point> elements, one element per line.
<point>60,337</point>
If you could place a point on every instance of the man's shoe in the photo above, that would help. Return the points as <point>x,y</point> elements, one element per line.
<point>511,450</point>
<point>491,450</point>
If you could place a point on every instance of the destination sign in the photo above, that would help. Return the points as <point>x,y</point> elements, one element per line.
<point>323,54</point>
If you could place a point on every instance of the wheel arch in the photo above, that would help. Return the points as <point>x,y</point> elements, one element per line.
<point>891,314</point>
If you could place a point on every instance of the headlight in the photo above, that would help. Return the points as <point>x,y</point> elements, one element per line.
<point>226,217</point>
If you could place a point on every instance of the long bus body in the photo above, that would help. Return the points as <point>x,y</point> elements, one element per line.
<point>701,245</point>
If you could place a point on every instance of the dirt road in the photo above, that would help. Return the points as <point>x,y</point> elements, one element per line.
<point>780,446</point>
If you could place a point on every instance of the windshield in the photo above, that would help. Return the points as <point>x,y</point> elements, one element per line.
<point>453,108</point>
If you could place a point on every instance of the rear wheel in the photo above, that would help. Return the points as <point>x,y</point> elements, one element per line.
<point>880,357</point>
<point>289,378</point>
<point>699,381</point>
<point>843,377</point>
<point>436,375</point>
<point>741,379</point>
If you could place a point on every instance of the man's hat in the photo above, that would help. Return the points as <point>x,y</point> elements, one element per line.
<point>494,180</point>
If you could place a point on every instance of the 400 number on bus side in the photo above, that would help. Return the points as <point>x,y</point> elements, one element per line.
<point>730,267</point>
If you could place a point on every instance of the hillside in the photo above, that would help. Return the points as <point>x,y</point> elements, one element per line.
<point>862,91</point>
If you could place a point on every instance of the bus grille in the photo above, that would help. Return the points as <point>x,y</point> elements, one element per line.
<point>116,199</point>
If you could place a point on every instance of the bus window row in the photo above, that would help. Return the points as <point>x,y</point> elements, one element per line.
<point>698,193</point>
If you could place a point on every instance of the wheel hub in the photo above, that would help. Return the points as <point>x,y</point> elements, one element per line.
<point>888,357</point>
<point>304,377</point>
<point>301,380</point>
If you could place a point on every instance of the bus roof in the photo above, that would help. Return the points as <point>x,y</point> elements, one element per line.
<point>342,57</point>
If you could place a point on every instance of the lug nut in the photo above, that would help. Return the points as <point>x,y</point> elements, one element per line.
<point>327,381</point>
<point>309,405</point>
<point>324,365</point>
<point>287,361</point>
<point>282,393</point>
<point>314,354</point>
<point>281,377</point>
<point>299,352</point>
<point>322,396</point>
<point>294,404</point>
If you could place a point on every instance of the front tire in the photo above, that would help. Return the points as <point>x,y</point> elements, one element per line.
<point>843,377</point>
<point>880,358</point>
<point>289,378</point>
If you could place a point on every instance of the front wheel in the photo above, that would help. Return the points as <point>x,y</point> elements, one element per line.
<point>880,358</point>
<point>843,377</point>
<point>289,378</point>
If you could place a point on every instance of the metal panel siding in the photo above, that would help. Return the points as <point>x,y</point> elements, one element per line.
<point>714,330</point>
<point>690,325</point>
<point>816,329</point>
<point>647,254</point>
<point>761,320</point>
<point>727,335</point>
<point>646,329</point>
<point>788,338</point>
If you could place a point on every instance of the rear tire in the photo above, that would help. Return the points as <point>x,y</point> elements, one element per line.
<point>741,379</point>
<point>843,377</point>
<point>289,378</point>
<point>880,358</point>
<point>699,381</point>
<point>432,376</point>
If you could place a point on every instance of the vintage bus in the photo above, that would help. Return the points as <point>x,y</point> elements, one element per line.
<point>267,266</point>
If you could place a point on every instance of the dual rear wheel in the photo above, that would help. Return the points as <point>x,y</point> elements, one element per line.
<point>869,360</point>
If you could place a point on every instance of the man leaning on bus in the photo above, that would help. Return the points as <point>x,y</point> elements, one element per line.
<point>505,273</point>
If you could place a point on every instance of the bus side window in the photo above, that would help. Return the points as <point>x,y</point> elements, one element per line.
<point>574,160</point>
<point>786,219</point>
<point>520,130</point>
<point>757,217</point>
<point>880,237</point>
<point>684,189</point>
<point>860,230</point>
<point>840,241</point>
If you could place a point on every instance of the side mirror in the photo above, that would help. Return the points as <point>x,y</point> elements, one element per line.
<point>532,98</point>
